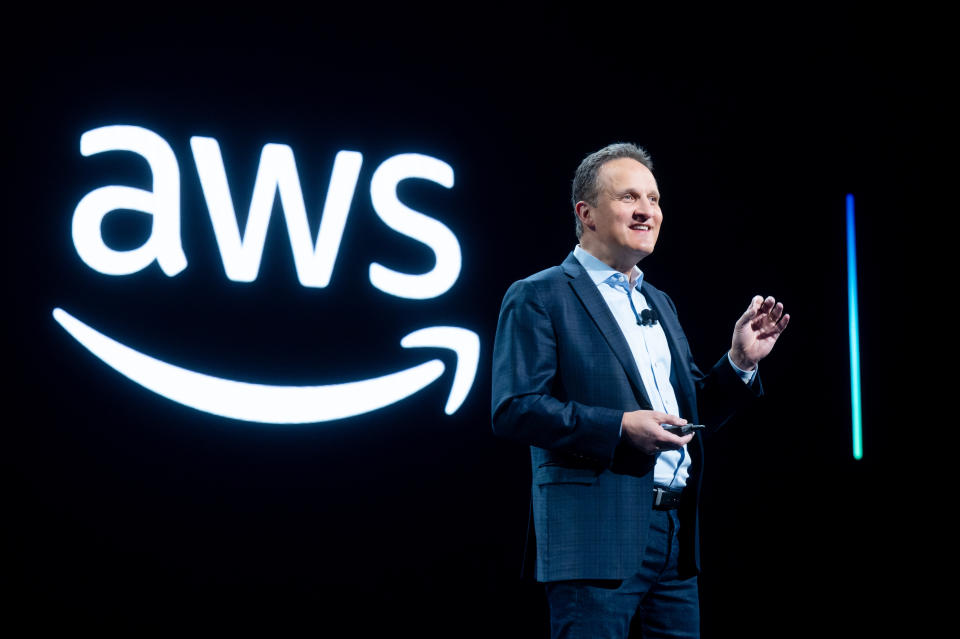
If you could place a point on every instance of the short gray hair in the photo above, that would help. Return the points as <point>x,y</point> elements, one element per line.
<point>586,181</point>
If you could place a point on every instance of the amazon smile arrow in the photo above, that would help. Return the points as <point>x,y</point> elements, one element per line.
<point>287,404</point>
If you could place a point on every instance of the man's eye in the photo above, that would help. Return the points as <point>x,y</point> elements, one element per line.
<point>627,198</point>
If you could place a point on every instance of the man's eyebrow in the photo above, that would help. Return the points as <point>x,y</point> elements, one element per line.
<point>631,191</point>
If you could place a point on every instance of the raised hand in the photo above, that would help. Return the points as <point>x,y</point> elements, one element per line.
<point>757,331</point>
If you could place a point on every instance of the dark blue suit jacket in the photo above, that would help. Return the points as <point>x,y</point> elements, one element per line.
<point>563,375</point>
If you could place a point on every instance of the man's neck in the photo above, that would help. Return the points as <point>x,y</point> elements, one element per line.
<point>620,264</point>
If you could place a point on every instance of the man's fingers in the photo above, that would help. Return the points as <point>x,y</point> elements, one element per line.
<point>755,305</point>
<point>776,312</point>
<point>646,431</point>
<point>673,442</point>
<point>752,309</point>
<point>680,441</point>
<point>764,308</point>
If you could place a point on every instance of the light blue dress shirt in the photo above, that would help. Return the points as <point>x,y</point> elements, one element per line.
<point>650,350</point>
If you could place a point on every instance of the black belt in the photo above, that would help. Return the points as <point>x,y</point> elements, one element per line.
<point>666,499</point>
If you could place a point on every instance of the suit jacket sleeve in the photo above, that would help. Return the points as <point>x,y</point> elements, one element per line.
<point>525,368</point>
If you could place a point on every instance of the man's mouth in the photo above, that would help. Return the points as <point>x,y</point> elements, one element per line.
<point>640,227</point>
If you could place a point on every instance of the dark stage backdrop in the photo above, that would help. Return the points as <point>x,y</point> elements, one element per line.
<point>130,510</point>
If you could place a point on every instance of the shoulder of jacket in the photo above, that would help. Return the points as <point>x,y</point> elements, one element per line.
<point>541,287</point>
<point>546,276</point>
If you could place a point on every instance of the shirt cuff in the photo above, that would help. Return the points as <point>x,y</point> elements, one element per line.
<point>745,376</point>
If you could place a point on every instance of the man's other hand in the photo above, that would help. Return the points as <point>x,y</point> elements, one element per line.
<point>642,428</point>
<point>757,331</point>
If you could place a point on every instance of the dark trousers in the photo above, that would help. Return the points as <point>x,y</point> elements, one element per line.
<point>655,602</point>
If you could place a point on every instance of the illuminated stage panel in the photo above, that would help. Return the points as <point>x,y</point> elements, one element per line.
<point>854,331</point>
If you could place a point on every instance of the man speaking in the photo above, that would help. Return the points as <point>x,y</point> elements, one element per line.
<point>592,369</point>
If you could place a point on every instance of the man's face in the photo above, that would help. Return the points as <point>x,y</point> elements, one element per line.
<point>625,223</point>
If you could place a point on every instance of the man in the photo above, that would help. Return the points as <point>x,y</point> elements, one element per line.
<point>589,365</point>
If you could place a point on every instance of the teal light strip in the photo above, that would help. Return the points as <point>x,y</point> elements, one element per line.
<point>854,331</point>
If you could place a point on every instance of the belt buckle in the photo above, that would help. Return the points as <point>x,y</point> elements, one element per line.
<point>659,492</point>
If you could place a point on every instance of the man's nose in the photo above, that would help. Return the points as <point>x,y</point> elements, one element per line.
<point>643,208</point>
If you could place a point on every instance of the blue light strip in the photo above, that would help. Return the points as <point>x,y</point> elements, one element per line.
<point>854,331</point>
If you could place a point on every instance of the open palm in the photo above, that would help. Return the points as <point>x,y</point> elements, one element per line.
<point>757,331</point>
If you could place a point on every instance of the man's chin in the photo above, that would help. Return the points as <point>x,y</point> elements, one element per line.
<point>642,253</point>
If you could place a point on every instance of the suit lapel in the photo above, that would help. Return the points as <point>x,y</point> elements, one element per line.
<point>684,386</point>
<point>599,312</point>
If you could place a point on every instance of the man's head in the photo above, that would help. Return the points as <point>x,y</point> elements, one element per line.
<point>617,205</point>
<point>586,181</point>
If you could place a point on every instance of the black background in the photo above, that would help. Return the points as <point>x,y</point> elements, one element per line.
<point>130,511</point>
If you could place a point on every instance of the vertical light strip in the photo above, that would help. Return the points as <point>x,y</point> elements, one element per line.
<point>854,331</point>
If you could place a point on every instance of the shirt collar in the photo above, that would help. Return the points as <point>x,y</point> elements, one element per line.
<point>600,272</point>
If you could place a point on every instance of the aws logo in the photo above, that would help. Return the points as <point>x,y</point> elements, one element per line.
<point>242,253</point>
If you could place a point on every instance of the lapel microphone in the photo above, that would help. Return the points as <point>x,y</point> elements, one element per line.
<point>648,317</point>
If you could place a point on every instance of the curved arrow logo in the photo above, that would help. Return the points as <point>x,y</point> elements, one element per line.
<point>287,404</point>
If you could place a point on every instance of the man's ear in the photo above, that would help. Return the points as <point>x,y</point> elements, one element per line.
<point>585,212</point>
